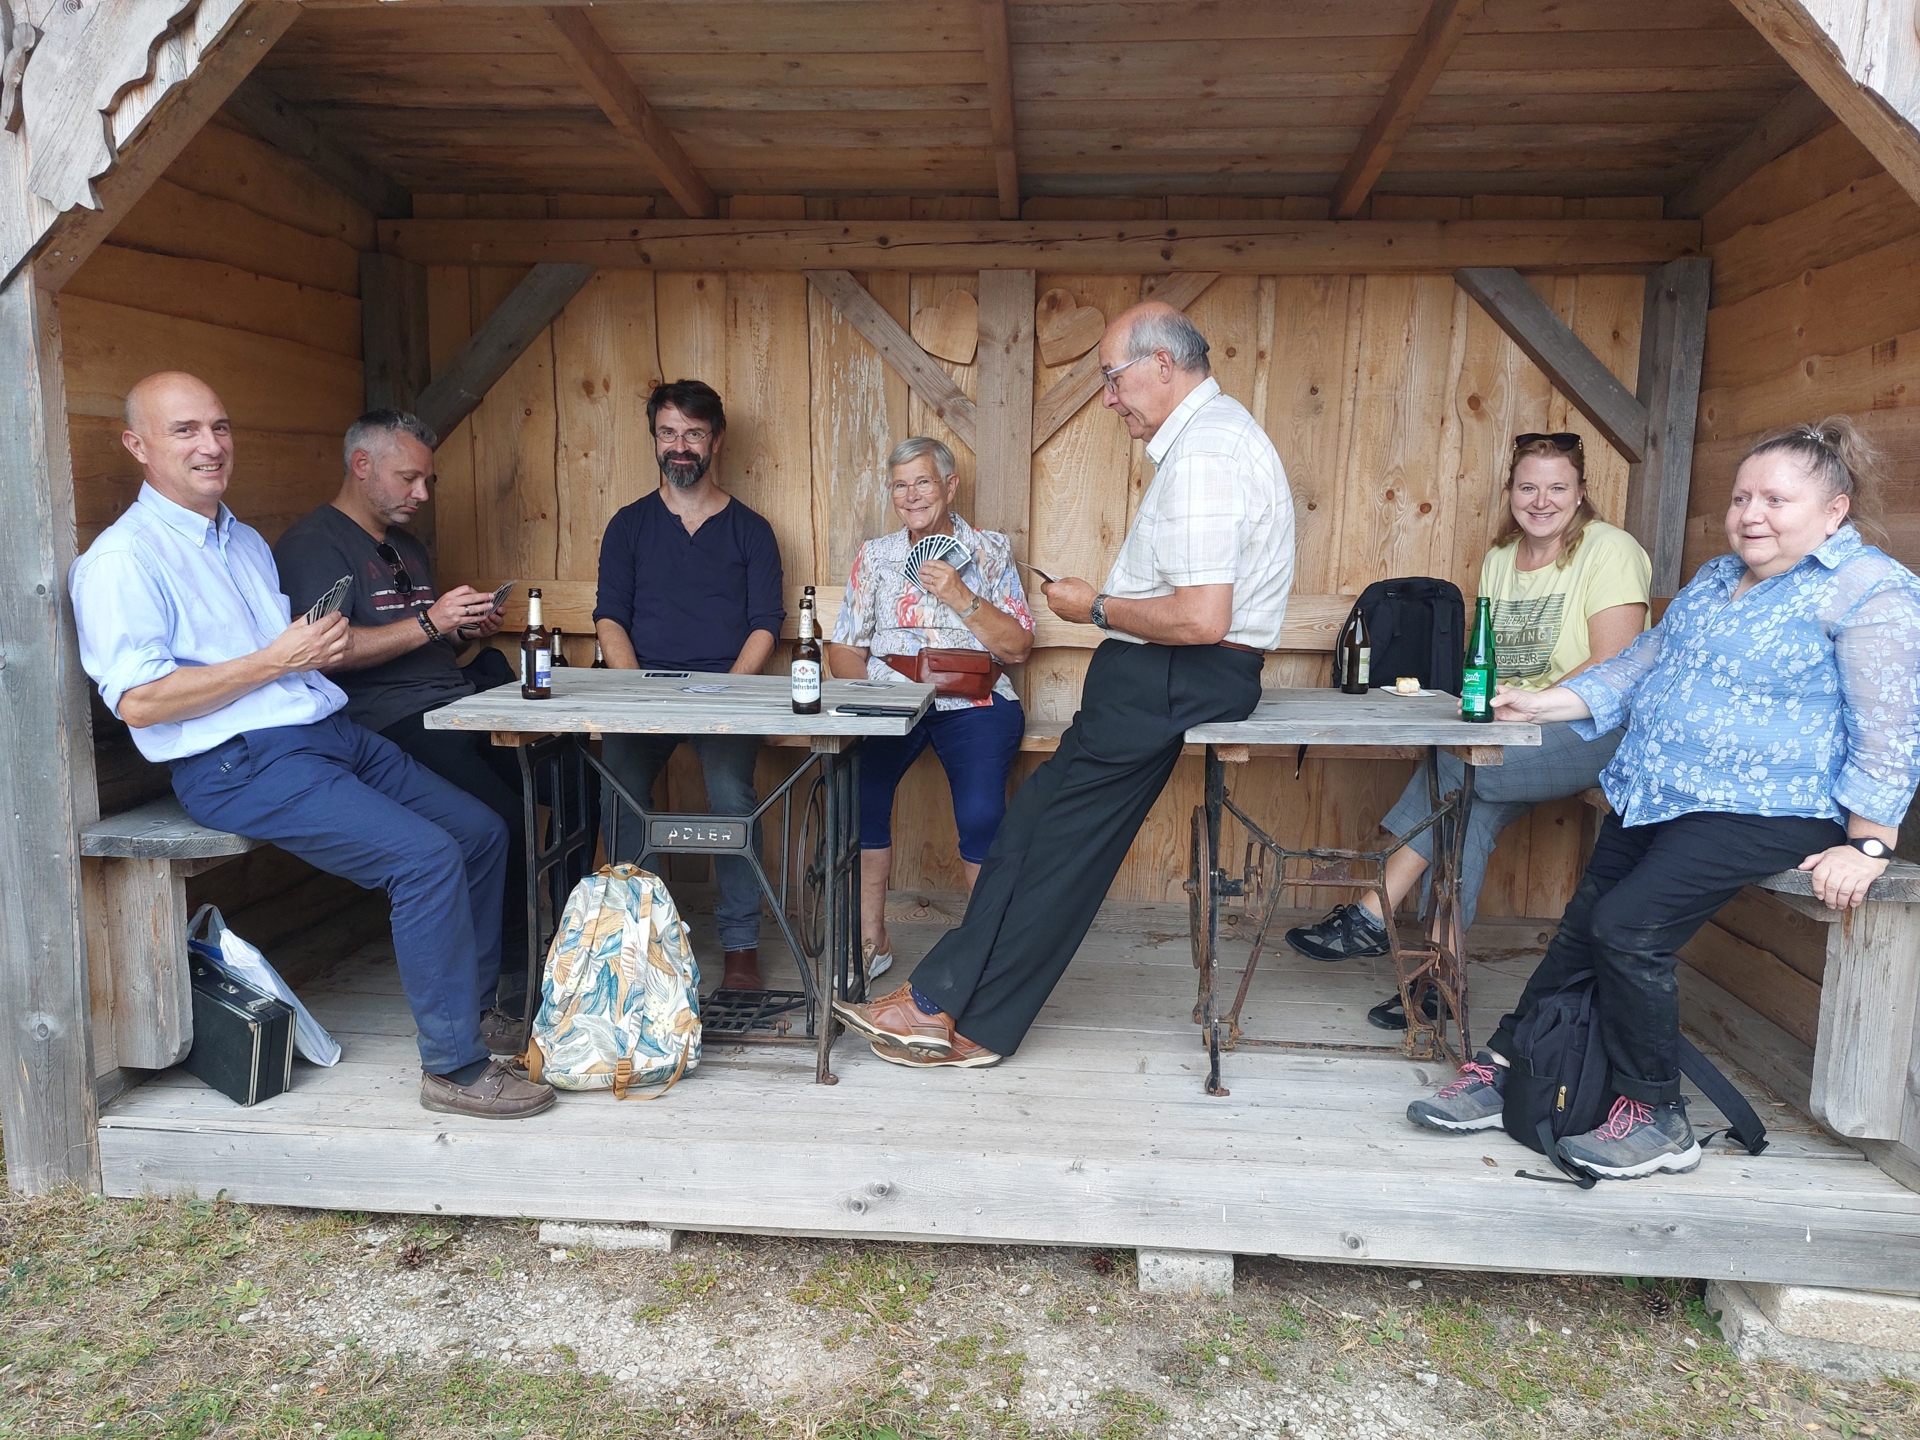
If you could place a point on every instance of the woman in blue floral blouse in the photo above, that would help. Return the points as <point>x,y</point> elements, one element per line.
<point>1773,722</point>
<point>885,620</point>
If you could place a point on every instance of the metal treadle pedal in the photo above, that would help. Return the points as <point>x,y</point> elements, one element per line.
<point>753,1014</point>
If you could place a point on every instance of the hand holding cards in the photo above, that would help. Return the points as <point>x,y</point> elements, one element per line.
<point>330,603</point>
<point>936,547</point>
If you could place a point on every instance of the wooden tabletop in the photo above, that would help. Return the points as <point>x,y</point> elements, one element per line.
<point>624,702</point>
<point>1324,716</point>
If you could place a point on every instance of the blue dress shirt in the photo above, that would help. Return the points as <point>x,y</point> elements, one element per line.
<point>164,587</point>
<point>1802,697</point>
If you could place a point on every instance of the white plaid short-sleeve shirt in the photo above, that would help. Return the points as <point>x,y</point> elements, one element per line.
<point>1217,513</point>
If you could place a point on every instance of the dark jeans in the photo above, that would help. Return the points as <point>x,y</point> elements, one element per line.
<point>976,747</point>
<point>348,802</point>
<point>1647,891</point>
<point>1069,828</point>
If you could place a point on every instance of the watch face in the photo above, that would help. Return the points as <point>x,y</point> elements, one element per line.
<point>1873,849</point>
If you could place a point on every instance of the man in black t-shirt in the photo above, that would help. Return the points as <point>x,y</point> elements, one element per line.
<point>404,656</point>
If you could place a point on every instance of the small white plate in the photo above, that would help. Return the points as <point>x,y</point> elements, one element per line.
<point>1409,694</point>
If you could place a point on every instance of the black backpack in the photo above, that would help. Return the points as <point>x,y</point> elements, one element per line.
<point>1417,626</point>
<point>1560,1084</point>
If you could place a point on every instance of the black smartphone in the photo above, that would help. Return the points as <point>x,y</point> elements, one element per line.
<point>880,712</point>
<point>665,674</point>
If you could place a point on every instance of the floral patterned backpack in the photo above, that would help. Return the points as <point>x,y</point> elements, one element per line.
<point>620,1004</point>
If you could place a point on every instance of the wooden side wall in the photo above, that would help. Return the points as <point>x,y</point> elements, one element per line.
<point>1816,310</point>
<point>1392,400</point>
<point>243,267</point>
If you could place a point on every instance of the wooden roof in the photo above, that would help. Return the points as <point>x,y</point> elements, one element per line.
<point>1111,97</point>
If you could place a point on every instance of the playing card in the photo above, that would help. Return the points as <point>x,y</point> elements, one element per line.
<point>500,595</point>
<point>330,602</point>
<point>936,547</point>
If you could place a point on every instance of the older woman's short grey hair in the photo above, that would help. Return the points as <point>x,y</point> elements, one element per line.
<point>907,451</point>
<point>1173,333</point>
<point>375,430</point>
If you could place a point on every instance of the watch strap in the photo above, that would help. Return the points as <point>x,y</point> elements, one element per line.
<point>1879,850</point>
<point>1099,609</point>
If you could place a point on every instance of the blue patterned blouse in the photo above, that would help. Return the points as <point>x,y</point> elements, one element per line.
<point>1802,697</point>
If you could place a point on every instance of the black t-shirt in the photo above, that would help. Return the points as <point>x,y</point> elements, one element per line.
<point>317,550</point>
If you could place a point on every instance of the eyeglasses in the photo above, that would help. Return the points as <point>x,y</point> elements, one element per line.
<point>1112,377</point>
<point>1563,440</point>
<point>683,437</point>
<point>920,485</point>
<point>402,581</point>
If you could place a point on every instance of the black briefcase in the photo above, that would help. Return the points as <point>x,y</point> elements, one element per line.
<point>242,1038</point>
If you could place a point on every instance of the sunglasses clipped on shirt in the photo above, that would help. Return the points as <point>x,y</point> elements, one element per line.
<point>1563,440</point>
<point>402,581</point>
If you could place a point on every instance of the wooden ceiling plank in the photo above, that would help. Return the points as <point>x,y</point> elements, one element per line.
<point>905,357</point>
<point>1576,372</point>
<point>1798,117</point>
<point>571,34</point>
<point>998,50</point>
<point>1420,68</point>
<point>532,306</point>
<point>1082,382</point>
<point>286,127</point>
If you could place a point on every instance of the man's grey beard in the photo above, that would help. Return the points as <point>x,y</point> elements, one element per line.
<point>684,474</point>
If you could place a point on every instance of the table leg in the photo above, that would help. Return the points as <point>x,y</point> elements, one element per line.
<point>1212,875</point>
<point>832,969</point>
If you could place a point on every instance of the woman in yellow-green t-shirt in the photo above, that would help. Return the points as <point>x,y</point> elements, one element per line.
<point>1568,591</point>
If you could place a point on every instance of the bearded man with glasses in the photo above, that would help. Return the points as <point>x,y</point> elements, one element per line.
<point>690,582</point>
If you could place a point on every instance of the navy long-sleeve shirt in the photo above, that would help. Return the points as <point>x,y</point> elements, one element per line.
<point>689,602</point>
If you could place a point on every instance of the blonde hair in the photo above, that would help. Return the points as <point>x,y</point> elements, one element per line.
<point>1837,454</point>
<point>1545,449</point>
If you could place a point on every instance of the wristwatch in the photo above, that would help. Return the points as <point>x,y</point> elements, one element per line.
<point>1099,609</point>
<point>1871,848</point>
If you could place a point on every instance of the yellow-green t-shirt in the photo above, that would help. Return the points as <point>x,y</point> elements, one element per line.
<point>1540,616</point>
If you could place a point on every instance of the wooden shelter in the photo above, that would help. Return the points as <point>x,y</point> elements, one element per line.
<point>1410,229</point>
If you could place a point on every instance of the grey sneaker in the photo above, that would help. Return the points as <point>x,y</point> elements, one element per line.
<point>1472,1102</point>
<point>1347,932</point>
<point>1637,1139</point>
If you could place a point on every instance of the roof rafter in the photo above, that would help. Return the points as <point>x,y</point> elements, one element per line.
<point>570,31</point>
<point>285,127</point>
<point>998,50</point>
<point>1799,116</point>
<point>1420,68</point>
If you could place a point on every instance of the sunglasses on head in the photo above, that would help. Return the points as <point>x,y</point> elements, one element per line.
<point>402,581</point>
<point>1563,440</point>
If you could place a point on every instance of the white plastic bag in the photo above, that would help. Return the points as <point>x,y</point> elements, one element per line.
<point>243,962</point>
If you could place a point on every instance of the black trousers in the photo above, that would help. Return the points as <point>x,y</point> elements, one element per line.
<point>1069,827</point>
<point>1647,891</point>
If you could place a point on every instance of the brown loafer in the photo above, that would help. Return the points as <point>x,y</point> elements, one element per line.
<point>895,1018</point>
<point>504,1036</point>
<point>498,1094</point>
<point>742,970</point>
<point>965,1055</point>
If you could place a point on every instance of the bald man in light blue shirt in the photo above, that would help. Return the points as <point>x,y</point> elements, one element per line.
<point>184,628</point>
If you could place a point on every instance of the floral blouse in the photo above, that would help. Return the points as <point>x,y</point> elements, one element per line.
<point>887,616</point>
<point>1802,697</point>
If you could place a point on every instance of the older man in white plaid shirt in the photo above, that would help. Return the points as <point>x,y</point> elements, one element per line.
<point>1195,596</point>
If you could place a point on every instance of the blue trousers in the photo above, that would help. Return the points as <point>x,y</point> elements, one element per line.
<point>976,747</point>
<point>726,764</point>
<point>349,802</point>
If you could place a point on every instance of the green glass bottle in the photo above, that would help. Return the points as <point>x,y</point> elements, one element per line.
<point>1477,674</point>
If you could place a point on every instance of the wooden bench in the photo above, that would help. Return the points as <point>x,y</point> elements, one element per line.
<point>135,867</point>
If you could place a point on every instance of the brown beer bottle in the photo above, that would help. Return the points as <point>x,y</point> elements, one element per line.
<point>806,661</point>
<point>536,654</point>
<point>559,648</point>
<point>599,660</point>
<point>1356,655</point>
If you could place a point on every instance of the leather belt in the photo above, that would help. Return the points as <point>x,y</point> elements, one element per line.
<point>1236,645</point>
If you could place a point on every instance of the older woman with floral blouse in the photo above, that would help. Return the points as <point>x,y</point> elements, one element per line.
<point>887,619</point>
<point>1773,722</point>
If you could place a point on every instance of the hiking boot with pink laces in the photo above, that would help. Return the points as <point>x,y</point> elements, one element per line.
<point>1473,1101</point>
<point>1635,1140</point>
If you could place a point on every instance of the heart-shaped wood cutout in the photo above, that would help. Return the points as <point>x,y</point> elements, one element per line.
<point>1066,330</point>
<point>950,329</point>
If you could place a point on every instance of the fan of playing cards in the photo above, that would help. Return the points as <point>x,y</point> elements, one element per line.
<point>936,547</point>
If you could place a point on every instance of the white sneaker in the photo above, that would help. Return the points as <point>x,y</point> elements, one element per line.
<point>877,965</point>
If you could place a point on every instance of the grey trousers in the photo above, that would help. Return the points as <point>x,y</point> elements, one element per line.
<point>1561,765</point>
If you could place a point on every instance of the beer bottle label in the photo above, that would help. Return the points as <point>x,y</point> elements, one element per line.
<point>1366,664</point>
<point>542,668</point>
<point>1476,692</point>
<point>806,682</point>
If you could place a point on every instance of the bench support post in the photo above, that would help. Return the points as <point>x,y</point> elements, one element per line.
<point>151,987</point>
<point>1869,1023</point>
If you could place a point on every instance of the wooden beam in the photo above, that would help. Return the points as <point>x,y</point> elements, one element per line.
<point>1420,67</point>
<point>189,103</point>
<point>1003,476</point>
<point>1245,247</point>
<point>1862,57</point>
<point>571,34</point>
<point>458,390</point>
<point>1798,117</point>
<point>1576,372</point>
<point>47,786</point>
<point>393,331</point>
<point>1082,382</point>
<point>902,354</point>
<point>285,127</point>
<point>1673,341</point>
<point>997,48</point>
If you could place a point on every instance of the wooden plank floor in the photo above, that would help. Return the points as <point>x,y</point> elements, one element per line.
<point>1096,1133</point>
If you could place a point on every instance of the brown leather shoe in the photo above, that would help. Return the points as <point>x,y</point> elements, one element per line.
<point>965,1055</point>
<point>504,1036</point>
<point>742,970</point>
<point>498,1094</point>
<point>895,1018</point>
